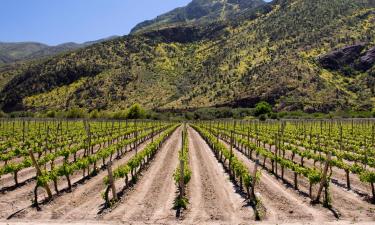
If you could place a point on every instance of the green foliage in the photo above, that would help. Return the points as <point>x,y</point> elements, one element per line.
<point>236,165</point>
<point>312,174</point>
<point>120,115</point>
<point>76,113</point>
<point>135,161</point>
<point>368,177</point>
<point>136,112</point>
<point>180,203</point>
<point>184,157</point>
<point>262,108</point>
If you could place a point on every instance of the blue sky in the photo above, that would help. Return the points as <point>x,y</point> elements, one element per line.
<point>58,21</point>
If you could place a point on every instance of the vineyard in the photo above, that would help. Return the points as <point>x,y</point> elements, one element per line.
<point>159,172</point>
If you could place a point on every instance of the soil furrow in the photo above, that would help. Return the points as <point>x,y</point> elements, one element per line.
<point>213,197</point>
<point>151,199</point>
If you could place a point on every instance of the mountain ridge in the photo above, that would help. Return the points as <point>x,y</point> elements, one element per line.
<point>18,51</point>
<point>198,12</point>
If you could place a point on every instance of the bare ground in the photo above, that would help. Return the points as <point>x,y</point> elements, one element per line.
<point>151,200</point>
<point>213,197</point>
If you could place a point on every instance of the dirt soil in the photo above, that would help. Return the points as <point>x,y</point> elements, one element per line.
<point>151,199</point>
<point>213,197</point>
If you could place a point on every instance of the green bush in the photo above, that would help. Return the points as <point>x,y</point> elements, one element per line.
<point>262,108</point>
<point>136,112</point>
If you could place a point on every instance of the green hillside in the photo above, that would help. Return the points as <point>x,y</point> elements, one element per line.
<point>272,54</point>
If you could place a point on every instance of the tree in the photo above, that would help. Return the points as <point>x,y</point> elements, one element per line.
<point>262,108</point>
<point>136,112</point>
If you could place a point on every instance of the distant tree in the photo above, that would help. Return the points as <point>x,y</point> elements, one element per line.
<point>262,108</point>
<point>136,112</point>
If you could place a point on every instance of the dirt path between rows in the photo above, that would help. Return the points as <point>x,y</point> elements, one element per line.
<point>151,199</point>
<point>213,197</point>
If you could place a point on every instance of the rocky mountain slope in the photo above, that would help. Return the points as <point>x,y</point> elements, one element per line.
<point>199,12</point>
<point>278,53</point>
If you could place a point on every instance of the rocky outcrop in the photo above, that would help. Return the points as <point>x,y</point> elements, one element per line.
<point>341,57</point>
<point>367,60</point>
<point>353,57</point>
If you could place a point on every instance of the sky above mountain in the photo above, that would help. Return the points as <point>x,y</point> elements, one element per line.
<point>54,22</point>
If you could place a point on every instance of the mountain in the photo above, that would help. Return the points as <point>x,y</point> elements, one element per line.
<point>199,12</point>
<point>12,52</point>
<point>282,53</point>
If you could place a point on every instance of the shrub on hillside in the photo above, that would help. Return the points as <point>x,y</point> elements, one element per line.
<point>136,112</point>
<point>262,108</point>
